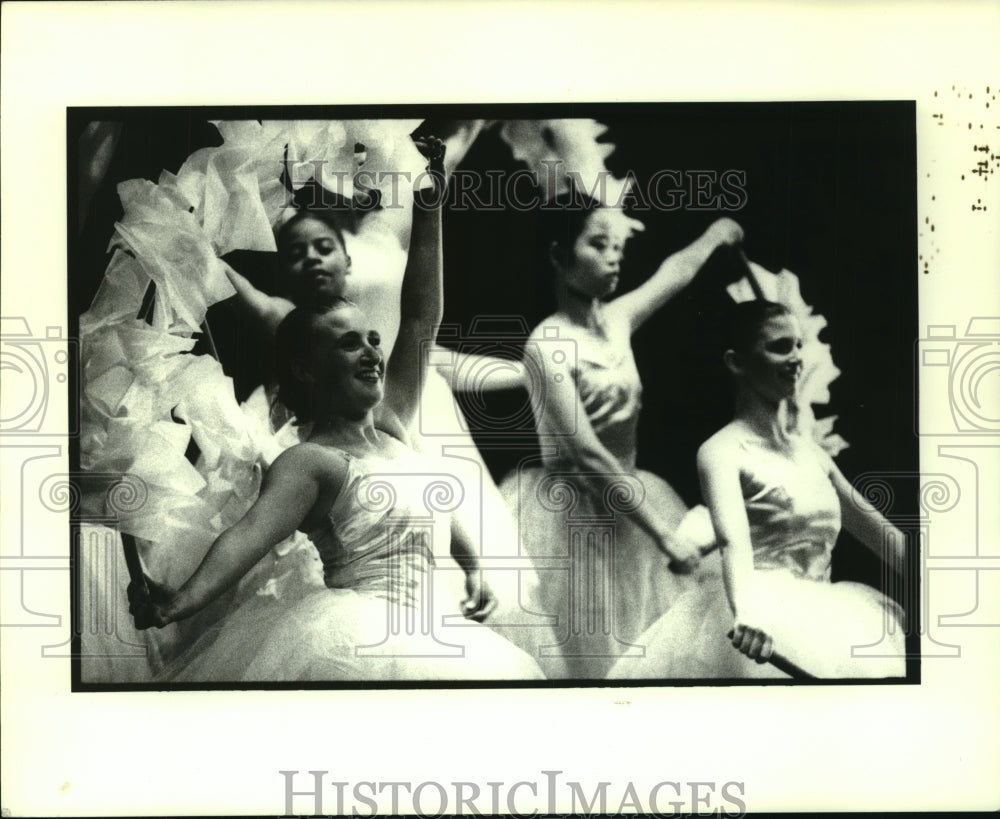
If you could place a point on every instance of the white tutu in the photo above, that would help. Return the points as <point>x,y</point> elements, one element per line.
<point>603,578</point>
<point>829,630</point>
<point>373,597</point>
<point>299,630</point>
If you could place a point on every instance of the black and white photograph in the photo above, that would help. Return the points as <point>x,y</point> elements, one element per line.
<point>501,409</point>
<point>533,398</point>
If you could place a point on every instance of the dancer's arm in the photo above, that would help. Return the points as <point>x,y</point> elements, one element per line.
<point>674,274</point>
<point>480,601</point>
<point>473,373</point>
<point>421,299</point>
<point>719,474</point>
<point>866,523</point>
<point>469,372</point>
<point>562,419</point>
<point>290,489</point>
<point>269,311</point>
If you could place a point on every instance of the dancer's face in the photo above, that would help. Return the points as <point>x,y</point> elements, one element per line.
<point>314,263</point>
<point>773,365</point>
<point>350,365</point>
<point>594,264</point>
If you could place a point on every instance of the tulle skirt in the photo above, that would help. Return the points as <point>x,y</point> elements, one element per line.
<point>126,655</point>
<point>829,630</point>
<point>442,435</point>
<point>602,579</point>
<point>296,629</point>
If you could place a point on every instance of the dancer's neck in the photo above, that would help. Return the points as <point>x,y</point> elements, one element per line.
<point>347,433</point>
<point>764,417</point>
<point>581,309</point>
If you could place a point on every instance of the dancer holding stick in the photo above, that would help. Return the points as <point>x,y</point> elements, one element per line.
<point>777,503</point>
<point>361,494</point>
<point>604,594</point>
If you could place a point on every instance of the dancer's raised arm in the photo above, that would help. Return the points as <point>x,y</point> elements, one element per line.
<point>674,274</point>
<point>422,298</point>
<point>267,310</point>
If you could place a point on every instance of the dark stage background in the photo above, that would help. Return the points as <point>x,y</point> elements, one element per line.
<point>830,195</point>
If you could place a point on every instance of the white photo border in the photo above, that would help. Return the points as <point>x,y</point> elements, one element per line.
<point>925,747</point>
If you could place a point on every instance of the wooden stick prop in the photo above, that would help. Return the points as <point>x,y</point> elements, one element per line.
<point>784,664</point>
<point>758,291</point>
<point>134,562</point>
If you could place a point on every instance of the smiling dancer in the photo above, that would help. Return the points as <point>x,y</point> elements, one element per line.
<point>318,262</point>
<point>777,503</point>
<point>360,492</point>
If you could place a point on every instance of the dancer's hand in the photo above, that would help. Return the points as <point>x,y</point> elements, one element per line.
<point>684,558</point>
<point>150,603</point>
<point>433,149</point>
<point>755,643</point>
<point>480,602</point>
<point>598,405</point>
<point>604,408</point>
<point>724,232</point>
<point>684,565</point>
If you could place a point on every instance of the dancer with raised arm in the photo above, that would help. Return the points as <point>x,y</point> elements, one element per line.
<point>319,261</point>
<point>604,595</point>
<point>363,496</point>
<point>777,503</point>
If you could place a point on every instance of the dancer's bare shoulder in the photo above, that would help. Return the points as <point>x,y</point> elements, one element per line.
<point>314,470</point>
<point>553,343</point>
<point>310,463</point>
<point>722,449</point>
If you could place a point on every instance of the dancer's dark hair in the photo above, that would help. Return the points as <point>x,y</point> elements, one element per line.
<point>742,321</point>
<point>294,343</point>
<point>561,221</point>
